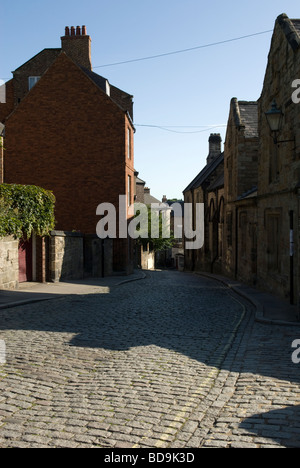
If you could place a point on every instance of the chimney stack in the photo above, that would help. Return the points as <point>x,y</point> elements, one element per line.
<point>77,45</point>
<point>215,141</point>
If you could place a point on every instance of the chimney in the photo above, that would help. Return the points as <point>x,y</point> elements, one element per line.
<point>164,199</point>
<point>214,147</point>
<point>77,45</point>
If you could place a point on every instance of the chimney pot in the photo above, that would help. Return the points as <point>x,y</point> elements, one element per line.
<point>215,141</point>
<point>77,45</point>
<point>67,31</point>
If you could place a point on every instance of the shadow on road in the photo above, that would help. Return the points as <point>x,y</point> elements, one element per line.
<point>190,316</point>
<point>281,426</point>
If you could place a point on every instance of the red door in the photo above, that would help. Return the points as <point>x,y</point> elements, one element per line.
<point>25,261</point>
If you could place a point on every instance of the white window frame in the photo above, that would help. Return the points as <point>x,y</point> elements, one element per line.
<point>32,81</point>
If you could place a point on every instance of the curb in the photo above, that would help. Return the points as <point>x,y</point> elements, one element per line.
<point>259,314</point>
<point>131,280</point>
<point>10,305</point>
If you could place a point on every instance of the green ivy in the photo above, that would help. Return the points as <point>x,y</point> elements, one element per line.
<point>25,209</point>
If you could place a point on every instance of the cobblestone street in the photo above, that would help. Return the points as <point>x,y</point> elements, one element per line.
<point>174,360</point>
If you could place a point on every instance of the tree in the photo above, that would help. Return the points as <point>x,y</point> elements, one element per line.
<point>155,230</point>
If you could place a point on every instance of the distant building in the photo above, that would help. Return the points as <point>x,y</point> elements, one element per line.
<point>198,192</point>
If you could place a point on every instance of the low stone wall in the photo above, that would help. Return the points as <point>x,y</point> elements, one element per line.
<point>73,255</point>
<point>9,263</point>
<point>66,256</point>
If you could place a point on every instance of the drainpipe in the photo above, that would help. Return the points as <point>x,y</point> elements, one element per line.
<point>193,224</point>
<point>298,257</point>
<point>291,257</point>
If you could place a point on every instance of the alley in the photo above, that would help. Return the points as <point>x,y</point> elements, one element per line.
<point>175,360</point>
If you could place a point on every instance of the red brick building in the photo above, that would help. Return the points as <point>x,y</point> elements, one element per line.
<point>68,130</point>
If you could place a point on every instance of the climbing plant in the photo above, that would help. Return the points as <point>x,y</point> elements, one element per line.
<point>25,209</point>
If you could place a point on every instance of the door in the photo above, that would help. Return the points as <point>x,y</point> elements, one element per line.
<point>25,261</point>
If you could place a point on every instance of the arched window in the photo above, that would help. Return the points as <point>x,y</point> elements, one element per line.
<point>221,211</point>
<point>211,209</point>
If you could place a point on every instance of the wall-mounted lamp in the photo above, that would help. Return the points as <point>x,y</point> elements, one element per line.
<point>274,117</point>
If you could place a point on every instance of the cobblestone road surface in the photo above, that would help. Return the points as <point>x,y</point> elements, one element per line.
<point>173,361</point>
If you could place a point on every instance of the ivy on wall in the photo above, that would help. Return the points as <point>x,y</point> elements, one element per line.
<point>25,209</point>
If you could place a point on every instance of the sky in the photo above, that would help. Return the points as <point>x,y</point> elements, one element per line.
<point>179,99</point>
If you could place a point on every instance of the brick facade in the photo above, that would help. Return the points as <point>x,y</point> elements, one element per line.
<point>70,134</point>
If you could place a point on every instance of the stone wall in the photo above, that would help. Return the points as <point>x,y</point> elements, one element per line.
<point>75,256</point>
<point>279,168</point>
<point>66,256</point>
<point>9,263</point>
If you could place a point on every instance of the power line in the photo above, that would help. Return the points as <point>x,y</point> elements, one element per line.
<point>169,128</point>
<point>150,57</point>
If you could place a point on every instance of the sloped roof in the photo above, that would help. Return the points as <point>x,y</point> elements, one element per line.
<point>150,199</point>
<point>50,52</point>
<point>140,181</point>
<point>205,173</point>
<point>249,116</point>
<point>246,115</point>
<point>296,23</point>
<point>47,57</point>
<point>123,99</point>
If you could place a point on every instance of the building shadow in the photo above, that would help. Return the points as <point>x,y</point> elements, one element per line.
<point>282,426</point>
<point>187,315</point>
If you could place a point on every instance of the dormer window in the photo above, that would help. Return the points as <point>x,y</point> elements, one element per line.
<point>32,81</point>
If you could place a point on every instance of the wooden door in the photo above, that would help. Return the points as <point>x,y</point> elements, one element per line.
<point>25,261</point>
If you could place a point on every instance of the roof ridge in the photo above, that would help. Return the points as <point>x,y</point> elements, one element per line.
<point>206,171</point>
<point>289,30</point>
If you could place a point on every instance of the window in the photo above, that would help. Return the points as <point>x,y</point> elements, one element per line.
<point>129,191</point>
<point>273,233</point>
<point>129,143</point>
<point>243,234</point>
<point>229,229</point>
<point>32,81</point>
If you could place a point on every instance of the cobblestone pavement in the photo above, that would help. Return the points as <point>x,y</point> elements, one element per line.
<point>172,361</point>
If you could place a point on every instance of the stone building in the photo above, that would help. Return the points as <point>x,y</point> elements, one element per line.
<point>252,194</point>
<point>69,130</point>
<point>240,191</point>
<point>198,192</point>
<point>278,255</point>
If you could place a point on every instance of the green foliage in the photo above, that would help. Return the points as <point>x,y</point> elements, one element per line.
<point>25,209</point>
<point>155,224</point>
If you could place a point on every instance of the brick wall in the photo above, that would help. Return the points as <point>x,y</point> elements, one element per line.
<point>68,136</point>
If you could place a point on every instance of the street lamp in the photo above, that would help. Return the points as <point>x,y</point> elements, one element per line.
<point>274,118</point>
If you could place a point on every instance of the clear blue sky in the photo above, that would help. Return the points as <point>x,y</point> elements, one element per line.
<point>182,90</point>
